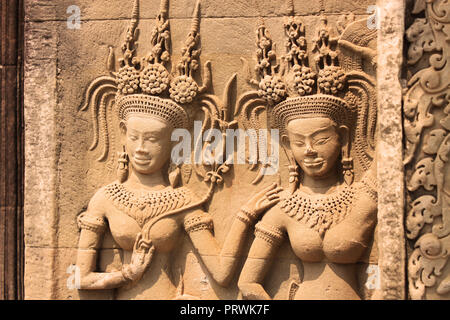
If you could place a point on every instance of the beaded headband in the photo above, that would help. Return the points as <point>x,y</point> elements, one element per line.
<point>319,105</point>
<point>145,105</point>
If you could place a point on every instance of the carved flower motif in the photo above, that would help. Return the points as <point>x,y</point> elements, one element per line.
<point>165,56</point>
<point>303,80</point>
<point>331,79</point>
<point>154,79</point>
<point>183,89</point>
<point>265,43</point>
<point>127,80</point>
<point>272,88</point>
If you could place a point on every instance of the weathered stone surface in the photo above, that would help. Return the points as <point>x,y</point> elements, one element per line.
<point>41,137</point>
<point>47,10</point>
<point>11,163</point>
<point>390,150</point>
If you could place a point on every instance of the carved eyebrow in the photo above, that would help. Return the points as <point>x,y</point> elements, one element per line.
<point>151,135</point>
<point>145,133</point>
<point>321,130</point>
<point>316,132</point>
<point>133,131</point>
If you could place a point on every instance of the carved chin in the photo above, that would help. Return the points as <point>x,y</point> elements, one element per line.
<point>144,167</point>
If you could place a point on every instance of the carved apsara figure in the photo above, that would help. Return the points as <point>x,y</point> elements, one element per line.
<point>327,216</point>
<point>144,210</point>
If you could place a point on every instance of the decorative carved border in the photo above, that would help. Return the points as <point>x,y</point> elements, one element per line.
<point>427,126</point>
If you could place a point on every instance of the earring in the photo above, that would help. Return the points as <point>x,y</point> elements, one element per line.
<point>174,175</point>
<point>347,168</point>
<point>293,178</point>
<point>293,171</point>
<point>122,170</point>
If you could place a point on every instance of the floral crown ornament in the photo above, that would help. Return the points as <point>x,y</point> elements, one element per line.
<point>141,85</point>
<point>292,89</point>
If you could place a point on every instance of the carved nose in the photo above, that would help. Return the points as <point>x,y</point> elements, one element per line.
<point>309,151</point>
<point>140,147</point>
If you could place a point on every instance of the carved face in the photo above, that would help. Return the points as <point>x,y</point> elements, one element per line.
<point>315,144</point>
<point>147,143</point>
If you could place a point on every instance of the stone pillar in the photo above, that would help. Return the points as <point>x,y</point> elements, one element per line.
<point>390,149</point>
<point>11,152</point>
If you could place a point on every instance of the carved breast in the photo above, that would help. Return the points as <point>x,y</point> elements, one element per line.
<point>306,243</point>
<point>320,227</point>
<point>129,212</point>
<point>164,234</point>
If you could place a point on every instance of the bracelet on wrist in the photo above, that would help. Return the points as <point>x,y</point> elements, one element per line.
<point>243,217</point>
<point>126,273</point>
<point>249,213</point>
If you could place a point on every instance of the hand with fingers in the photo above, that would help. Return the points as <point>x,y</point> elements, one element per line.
<point>142,255</point>
<point>262,201</point>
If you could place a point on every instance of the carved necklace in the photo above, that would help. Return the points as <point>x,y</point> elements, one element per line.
<point>319,213</point>
<point>145,206</point>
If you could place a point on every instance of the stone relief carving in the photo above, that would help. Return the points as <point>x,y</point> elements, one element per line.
<point>145,209</point>
<point>326,114</point>
<point>427,123</point>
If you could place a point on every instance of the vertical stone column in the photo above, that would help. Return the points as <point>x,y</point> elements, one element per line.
<point>11,152</point>
<point>390,149</point>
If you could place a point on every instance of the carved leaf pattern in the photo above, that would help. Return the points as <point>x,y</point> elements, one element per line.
<point>419,6</point>
<point>434,140</point>
<point>425,264</point>
<point>423,176</point>
<point>421,37</point>
<point>424,209</point>
<point>426,105</point>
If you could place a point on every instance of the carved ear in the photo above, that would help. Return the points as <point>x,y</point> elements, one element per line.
<point>344,135</point>
<point>123,131</point>
<point>285,142</point>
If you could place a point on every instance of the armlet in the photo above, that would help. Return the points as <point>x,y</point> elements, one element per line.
<point>94,224</point>
<point>197,222</point>
<point>268,233</point>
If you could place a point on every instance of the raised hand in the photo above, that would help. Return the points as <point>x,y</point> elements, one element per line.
<point>262,201</point>
<point>142,255</point>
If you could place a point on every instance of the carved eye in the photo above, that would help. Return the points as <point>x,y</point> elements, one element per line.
<point>132,137</point>
<point>299,143</point>
<point>321,141</point>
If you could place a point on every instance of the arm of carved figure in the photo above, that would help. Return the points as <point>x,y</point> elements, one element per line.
<point>268,236</point>
<point>346,242</point>
<point>87,260</point>
<point>221,263</point>
<point>93,224</point>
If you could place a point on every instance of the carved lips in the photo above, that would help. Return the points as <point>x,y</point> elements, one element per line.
<point>314,164</point>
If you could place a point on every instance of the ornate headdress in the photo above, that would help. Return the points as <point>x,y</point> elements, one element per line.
<point>291,89</point>
<point>145,86</point>
<point>296,81</point>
